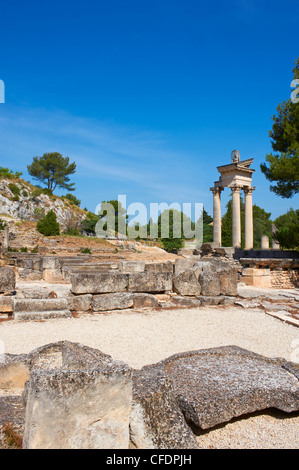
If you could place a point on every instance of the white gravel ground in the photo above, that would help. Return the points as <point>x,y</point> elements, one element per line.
<point>145,338</point>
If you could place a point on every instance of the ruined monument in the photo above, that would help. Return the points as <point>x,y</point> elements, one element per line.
<point>237,176</point>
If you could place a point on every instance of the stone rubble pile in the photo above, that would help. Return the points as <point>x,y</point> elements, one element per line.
<point>76,397</point>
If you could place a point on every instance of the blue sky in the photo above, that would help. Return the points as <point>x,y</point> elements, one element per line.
<point>148,97</point>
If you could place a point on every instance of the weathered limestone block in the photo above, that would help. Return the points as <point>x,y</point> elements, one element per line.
<point>257,277</point>
<point>182,301</point>
<point>166,267</point>
<point>117,301</point>
<point>187,282</point>
<point>40,305</point>
<point>99,283</point>
<point>156,422</point>
<point>30,275</point>
<point>36,292</point>
<point>131,266</point>
<point>79,409</point>
<point>208,278</point>
<point>206,300</point>
<point>145,300</point>
<point>6,304</point>
<point>183,264</point>
<point>150,282</point>
<point>7,280</point>
<point>228,276</point>
<point>80,303</point>
<point>51,269</point>
<point>215,385</point>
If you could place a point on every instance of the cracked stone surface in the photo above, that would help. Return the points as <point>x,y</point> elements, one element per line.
<point>213,386</point>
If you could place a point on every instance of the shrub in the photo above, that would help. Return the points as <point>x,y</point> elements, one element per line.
<point>24,193</point>
<point>38,191</point>
<point>48,225</point>
<point>12,250</point>
<point>172,245</point>
<point>74,232</point>
<point>14,189</point>
<point>72,199</point>
<point>24,249</point>
<point>39,212</point>
<point>35,249</point>
<point>86,250</point>
<point>6,173</point>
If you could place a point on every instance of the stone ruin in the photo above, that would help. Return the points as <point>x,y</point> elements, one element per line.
<point>105,286</point>
<point>68,396</point>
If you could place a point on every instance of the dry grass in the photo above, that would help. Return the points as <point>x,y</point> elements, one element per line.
<point>11,436</point>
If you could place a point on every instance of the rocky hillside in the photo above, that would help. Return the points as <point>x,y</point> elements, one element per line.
<point>20,200</point>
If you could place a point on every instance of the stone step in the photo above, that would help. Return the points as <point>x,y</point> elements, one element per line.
<point>41,315</point>
<point>40,305</point>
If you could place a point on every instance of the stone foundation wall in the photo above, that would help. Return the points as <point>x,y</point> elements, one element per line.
<point>280,273</point>
<point>284,279</point>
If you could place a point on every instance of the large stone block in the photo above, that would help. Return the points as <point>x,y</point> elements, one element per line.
<point>99,283</point>
<point>166,267</point>
<point>145,300</point>
<point>40,305</point>
<point>81,409</point>
<point>117,301</point>
<point>7,280</point>
<point>80,303</point>
<point>156,421</point>
<point>208,278</point>
<point>186,282</point>
<point>216,385</point>
<point>150,282</point>
<point>131,266</point>
<point>228,276</point>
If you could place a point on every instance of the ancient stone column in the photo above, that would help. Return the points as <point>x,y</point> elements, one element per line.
<point>248,218</point>
<point>216,216</point>
<point>236,222</point>
<point>265,242</point>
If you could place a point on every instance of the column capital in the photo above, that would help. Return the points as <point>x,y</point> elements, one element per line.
<point>248,189</point>
<point>235,189</point>
<point>216,190</point>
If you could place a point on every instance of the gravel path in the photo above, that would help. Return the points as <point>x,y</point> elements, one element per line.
<point>145,338</point>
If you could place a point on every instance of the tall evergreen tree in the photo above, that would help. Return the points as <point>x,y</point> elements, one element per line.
<point>283,167</point>
<point>53,170</point>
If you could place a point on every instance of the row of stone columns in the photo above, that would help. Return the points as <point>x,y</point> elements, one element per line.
<point>236,216</point>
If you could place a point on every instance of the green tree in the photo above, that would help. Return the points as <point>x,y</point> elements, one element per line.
<point>114,217</point>
<point>261,225</point>
<point>207,227</point>
<point>89,223</point>
<point>53,170</point>
<point>171,229</point>
<point>283,167</point>
<point>48,225</point>
<point>288,229</point>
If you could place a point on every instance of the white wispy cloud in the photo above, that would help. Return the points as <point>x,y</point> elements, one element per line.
<point>110,152</point>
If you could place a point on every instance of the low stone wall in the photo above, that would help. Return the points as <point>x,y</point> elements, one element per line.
<point>187,283</point>
<point>270,273</point>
